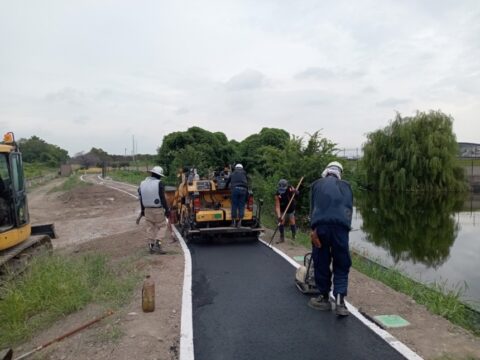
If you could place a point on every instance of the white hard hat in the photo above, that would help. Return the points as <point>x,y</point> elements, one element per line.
<point>239,166</point>
<point>337,164</point>
<point>157,170</point>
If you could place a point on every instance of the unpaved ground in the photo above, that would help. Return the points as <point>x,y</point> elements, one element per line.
<point>100,219</point>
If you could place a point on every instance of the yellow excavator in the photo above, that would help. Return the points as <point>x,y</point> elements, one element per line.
<point>19,240</point>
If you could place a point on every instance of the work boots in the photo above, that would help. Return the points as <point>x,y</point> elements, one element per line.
<point>321,302</point>
<point>340,307</point>
<point>282,239</point>
<point>156,248</point>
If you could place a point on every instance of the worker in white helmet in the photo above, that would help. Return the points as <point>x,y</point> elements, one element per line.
<point>239,185</point>
<point>331,204</point>
<point>154,208</point>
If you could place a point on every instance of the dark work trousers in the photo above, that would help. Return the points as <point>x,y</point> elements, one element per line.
<point>239,198</point>
<point>335,250</point>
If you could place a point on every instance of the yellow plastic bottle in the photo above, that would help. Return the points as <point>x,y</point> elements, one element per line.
<point>148,294</point>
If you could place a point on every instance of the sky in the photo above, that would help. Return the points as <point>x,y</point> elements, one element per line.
<point>100,73</point>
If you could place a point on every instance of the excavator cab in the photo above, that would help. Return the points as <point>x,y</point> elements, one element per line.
<point>17,236</point>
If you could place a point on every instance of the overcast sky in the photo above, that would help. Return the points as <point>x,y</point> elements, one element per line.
<point>94,73</point>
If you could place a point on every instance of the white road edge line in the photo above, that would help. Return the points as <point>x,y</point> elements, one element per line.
<point>386,336</point>
<point>117,182</point>
<point>186,327</point>
<point>111,187</point>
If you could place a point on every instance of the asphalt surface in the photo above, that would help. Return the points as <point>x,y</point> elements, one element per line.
<point>246,306</point>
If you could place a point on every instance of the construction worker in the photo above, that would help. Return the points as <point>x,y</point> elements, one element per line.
<point>238,183</point>
<point>331,204</point>
<point>284,194</point>
<point>154,208</point>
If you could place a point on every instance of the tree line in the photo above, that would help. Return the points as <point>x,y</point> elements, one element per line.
<point>415,153</point>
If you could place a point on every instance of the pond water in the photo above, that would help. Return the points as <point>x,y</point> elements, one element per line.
<point>429,238</point>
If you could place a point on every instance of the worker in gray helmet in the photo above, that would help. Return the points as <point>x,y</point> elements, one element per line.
<point>331,204</point>
<point>239,185</point>
<point>154,208</point>
<point>284,194</point>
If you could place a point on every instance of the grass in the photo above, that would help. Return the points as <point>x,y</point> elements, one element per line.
<point>437,297</point>
<point>73,181</point>
<point>54,286</point>
<point>32,170</point>
<point>469,162</point>
<point>132,177</point>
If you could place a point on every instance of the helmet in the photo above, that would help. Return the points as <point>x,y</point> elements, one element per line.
<point>239,166</point>
<point>282,186</point>
<point>337,164</point>
<point>157,170</point>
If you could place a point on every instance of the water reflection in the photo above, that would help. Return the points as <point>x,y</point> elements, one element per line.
<point>412,227</point>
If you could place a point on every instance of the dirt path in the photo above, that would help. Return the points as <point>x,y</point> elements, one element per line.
<point>99,219</point>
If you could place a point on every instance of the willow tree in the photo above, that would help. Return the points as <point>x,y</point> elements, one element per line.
<point>414,154</point>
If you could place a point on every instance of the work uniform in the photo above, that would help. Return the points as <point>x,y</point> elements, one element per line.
<point>331,204</point>
<point>155,208</point>
<point>282,198</point>
<point>239,185</point>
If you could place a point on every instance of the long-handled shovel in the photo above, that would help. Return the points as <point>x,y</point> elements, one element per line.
<point>286,209</point>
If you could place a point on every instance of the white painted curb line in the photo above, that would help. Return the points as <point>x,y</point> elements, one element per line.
<point>186,327</point>
<point>389,338</point>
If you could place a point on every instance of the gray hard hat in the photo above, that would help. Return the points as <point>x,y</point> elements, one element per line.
<point>282,186</point>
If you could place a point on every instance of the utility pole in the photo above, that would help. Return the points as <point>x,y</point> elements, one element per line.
<point>133,150</point>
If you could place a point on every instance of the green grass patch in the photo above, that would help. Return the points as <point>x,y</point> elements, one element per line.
<point>73,181</point>
<point>32,170</point>
<point>56,285</point>
<point>469,162</point>
<point>132,177</point>
<point>438,298</point>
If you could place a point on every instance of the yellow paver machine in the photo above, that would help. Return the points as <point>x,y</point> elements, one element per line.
<point>203,208</point>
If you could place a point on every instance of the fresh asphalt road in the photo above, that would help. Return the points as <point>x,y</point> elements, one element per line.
<point>246,307</point>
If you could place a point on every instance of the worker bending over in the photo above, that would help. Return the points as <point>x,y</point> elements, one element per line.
<point>331,204</point>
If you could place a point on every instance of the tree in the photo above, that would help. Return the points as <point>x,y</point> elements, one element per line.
<point>413,154</point>
<point>195,147</point>
<point>36,150</point>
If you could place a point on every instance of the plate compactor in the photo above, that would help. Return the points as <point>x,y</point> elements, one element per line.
<point>305,278</point>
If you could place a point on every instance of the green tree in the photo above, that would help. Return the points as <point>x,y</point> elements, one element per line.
<point>413,154</point>
<point>297,157</point>
<point>36,150</point>
<point>195,147</point>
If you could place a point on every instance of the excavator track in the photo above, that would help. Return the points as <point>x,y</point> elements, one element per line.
<point>14,260</point>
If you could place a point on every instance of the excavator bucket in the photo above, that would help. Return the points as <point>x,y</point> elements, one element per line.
<point>44,229</point>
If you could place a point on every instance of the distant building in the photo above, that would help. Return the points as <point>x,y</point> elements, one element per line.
<point>468,150</point>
